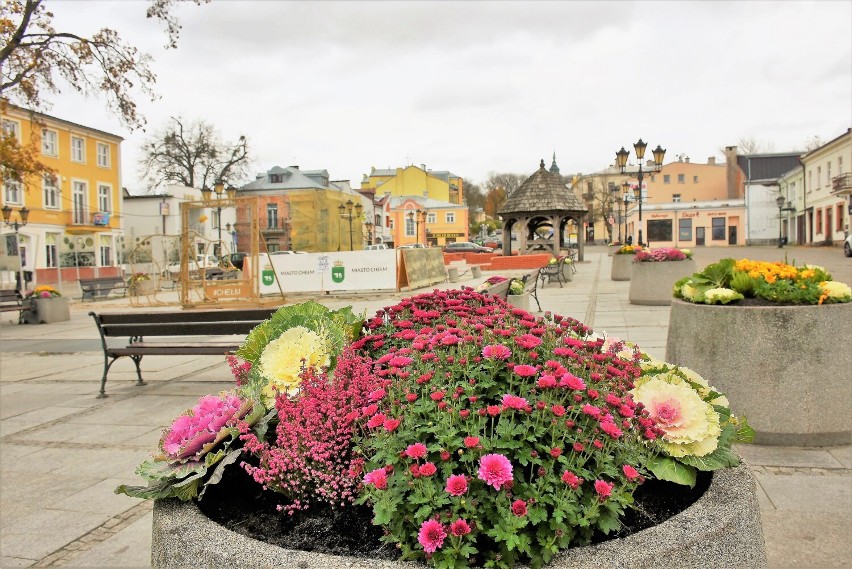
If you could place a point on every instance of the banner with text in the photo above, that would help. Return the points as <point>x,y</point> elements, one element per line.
<point>320,272</point>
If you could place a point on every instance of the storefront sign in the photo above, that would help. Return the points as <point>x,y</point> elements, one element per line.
<point>231,290</point>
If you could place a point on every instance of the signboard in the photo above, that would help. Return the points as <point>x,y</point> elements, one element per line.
<point>228,290</point>
<point>101,218</point>
<point>344,270</point>
<point>422,267</point>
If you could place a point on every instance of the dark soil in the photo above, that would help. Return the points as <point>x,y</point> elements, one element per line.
<point>239,504</point>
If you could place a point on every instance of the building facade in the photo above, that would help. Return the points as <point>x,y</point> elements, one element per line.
<point>438,185</point>
<point>75,217</point>
<point>432,223</point>
<point>827,197</point>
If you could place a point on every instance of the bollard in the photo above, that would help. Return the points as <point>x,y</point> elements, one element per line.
<point>453,272</point>
<point>477,272</point>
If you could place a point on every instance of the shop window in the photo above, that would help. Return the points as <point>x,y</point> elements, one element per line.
<point>718,224</point>
<point>684,232</point>
<point>659,230</point>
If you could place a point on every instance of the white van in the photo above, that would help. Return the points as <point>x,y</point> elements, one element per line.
<point>376,247</point>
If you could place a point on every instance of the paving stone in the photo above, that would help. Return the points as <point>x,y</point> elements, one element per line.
<point>54,528</point>
<point>788,456</point>
<point>808,493</point>
<point>129,547</point>
<point>806,540</point>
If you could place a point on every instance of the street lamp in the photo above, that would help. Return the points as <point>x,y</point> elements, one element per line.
<point>617,207</point>
<point>369,226</point>
<point>625,197</point>
<point>621,162</point>
<point>418,217</point>
<point>221,194</point>
<point>346,213</point>
<point>23,213</point>
<point>779,201</point>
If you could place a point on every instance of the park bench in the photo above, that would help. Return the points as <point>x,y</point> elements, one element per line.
<point>553,271</point>
<point>10,301</point>
<point>101,287</point>
<point>182,332</point>
<point>530,281</point>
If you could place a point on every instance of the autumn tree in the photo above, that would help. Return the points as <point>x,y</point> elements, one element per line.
<point>473,196</point>
<point>193,155</point>
<point>36,59</point>
<point>498,188</point>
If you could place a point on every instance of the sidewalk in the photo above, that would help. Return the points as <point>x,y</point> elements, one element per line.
<point>62,452</point>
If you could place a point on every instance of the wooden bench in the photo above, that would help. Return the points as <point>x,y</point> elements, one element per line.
<point>178,326</point>
<point>530,281</point>
<point>101,287</point>
<point>10,301</point>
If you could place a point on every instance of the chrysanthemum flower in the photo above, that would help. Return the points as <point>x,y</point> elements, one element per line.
<point>378,478</point>
<point>456,485</point>
<point>431,536</point>
<point>459,528</point>
<point>495,470</point>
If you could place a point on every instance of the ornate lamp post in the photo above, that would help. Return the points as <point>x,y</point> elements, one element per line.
<point>621,162</point>
<point>616,207</point>
<point>779,201</point>
<point>421,218</point>
<point>23,213</point>
<point>369,226</point>
<point>625,197</point>
<point>221,194</point>
<point>346,213</point>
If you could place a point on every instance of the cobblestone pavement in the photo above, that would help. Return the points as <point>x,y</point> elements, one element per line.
<point>62,452</point>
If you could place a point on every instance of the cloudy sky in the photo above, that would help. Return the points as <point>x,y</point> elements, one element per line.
<point>478,87</point>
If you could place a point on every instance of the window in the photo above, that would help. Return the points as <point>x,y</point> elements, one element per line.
<point>695,179</point>
<point>78,149</point>
<point>819,176</point>
<point>681,178</point>
<point>828,172</point>
<point>718,229</point>
<point>49,146</point>
<point>839,218</point>
<point>676,198</point>
<point>103,155</point>
<point>104,198</point>
<point>51,192</point>
<point>272,216</point>
<point>684,229</point>
<point>839,165</point>
<point>12,194</point>
<point>810,180</point>
<point>450,217</point>
<point>659,230</point>
<point>276,178</point>
<point>667,179</point>
<point>51,260</point>
<point>819,220</point>
<point>409,226</point>
<point>78,203</point>
<point>431,218</point>
<point>106,251</point>
<point>11,129</point>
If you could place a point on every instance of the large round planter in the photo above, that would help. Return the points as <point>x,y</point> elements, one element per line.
<point>721,529</point>
<point>785,368</point>
<point>651,283</point>
<point>47,310</point>
<point>621,267</point>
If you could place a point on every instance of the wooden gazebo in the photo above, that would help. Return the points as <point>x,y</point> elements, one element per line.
<point>539,211</point>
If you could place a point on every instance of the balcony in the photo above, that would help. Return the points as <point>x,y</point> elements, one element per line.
<point>842,185</point>
<point>87,221</point>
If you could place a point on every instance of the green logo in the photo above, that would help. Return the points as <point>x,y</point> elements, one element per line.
<point>267,277</point>
<point>337,272</point>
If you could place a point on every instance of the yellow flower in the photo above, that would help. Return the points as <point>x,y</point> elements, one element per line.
<point>836,290</point>
<point>284,358</point>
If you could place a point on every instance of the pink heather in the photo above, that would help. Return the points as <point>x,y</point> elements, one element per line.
<point>431,535</point>
<point>495,470</point>
<point>456,485</point>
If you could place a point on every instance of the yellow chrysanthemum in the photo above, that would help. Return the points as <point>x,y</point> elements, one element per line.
<point>284,358</point>
<point>836,290</point>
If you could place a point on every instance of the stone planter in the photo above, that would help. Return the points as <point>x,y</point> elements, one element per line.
<point>522,301</point>
<point>785,368</point>
<point>47,310</point>
<point>143,288</point>
<point>651,283</point>
<point>621,267</point>
<point>721,529</point>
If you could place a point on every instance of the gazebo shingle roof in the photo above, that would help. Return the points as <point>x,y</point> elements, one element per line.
<point>542,192</point>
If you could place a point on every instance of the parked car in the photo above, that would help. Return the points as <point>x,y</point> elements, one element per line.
<point>412,246</point>
<point>847,246</point>
<point>376,247</point>
<point>234,260</point>
<point>465,247</point>
<point>195,265</point>
<point>288,253</point>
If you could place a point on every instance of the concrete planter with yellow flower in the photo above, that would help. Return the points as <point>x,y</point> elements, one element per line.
<point>622,267</point>
<point>773,361</point>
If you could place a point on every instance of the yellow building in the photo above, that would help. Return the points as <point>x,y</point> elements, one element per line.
<point>73,229</point>
<point>440,185</point>
<point>426,221</point>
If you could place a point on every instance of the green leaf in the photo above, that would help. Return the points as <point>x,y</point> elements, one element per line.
<point>745,434</point>
<point>722,457</point>
<point>157,491</point>
<point>230,458</point>
<point>667,468</point>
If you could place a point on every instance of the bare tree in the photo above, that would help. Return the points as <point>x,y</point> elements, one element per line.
<point>193,155</point>
<point>749,145</point>
<point>509,182</point>
<point>812,143</point>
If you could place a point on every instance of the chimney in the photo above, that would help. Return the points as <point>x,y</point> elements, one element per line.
<point>423,167</point>
<point>733,174</point>
<point>294,167</point>
<point>711,161</point>
<point>686,159</point>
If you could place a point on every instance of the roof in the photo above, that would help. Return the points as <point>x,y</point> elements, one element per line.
<point>767,167</point>
<point>427,203</point>
<point>67,122</point>
<point>542,192</point>
<point>293,179</point>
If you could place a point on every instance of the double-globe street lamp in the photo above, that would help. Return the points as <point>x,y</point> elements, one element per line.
<point>779,201</point>
<point>369,226</point>
<point>221,194</point>
<point>23,213</point>
<point>346,213</point>
<point>418,217</point>
<point>621,162</point>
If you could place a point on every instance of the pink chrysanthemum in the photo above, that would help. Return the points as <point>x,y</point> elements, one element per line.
<point>456,485</point>
<point>528,341</point>
<point>630,472</point>
<point>495,470</point>
<point>496,352</point>
<point>514,402</point>
<point>571,479</point>
<point>428,469</point>
<point>519,508</point>
<point>378,478</point>
<point>417,450</point>
<point>524,370</point>
<point>604,489</point>
<point>571,382</point>
<point>431,536</point>
<point>459,528</point>
<point>471,442</point>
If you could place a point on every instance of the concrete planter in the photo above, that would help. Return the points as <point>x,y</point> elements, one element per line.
<point>721,529</point>
<point>47,310</point>
<point>143,288</point>
<point>621,267</point>
<point>783,367</point>
<point>651,283</point>
<point>522,301</point>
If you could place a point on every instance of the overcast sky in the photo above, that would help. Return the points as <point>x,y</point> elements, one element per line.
<point>479,87</point>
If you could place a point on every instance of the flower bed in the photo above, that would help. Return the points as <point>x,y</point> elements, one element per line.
<point>476,433</point>
<point>45,306</point>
